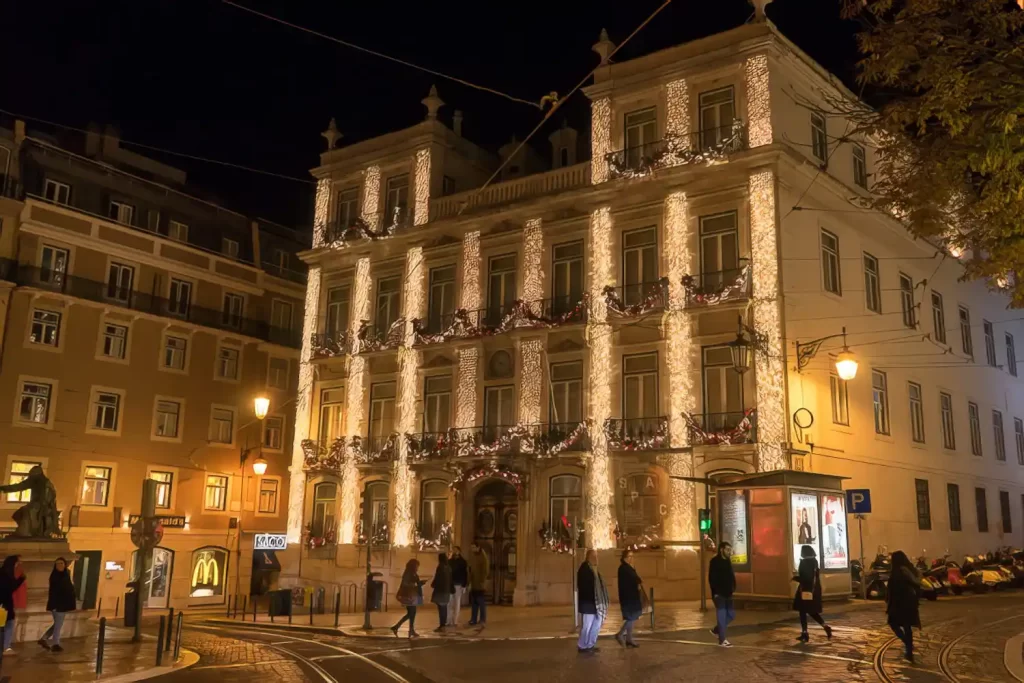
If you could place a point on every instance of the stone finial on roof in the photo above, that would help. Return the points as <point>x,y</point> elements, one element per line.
<point>603,47</point>
<point>432,102</point>
<point>332,135</point>
<point>759,7</point>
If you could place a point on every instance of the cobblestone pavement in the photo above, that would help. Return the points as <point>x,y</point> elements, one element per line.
<point>963,640</point>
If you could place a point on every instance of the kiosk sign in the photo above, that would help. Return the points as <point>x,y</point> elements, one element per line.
<point>270,542</point>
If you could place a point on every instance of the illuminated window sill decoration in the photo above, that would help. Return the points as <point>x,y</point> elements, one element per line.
<point>335,235</point>
<point>744,432</point>
<point>621,437</point>
<point>673,151</point>
<point>654,298</point>
<point>521,315</point>
<point>369,340</point>
<point>507,474</point>
<point>719,291</point>
<point>538,440</point>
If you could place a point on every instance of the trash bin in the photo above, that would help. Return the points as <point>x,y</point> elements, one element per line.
<point>131,604</point>
<point>374,591</point>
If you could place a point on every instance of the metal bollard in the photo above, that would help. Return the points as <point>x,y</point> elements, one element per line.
<point>245,604</point>
<point>170,627</point>
<point>228,601</point>
<point>337,607</point>
<point>99,607</point>
<point>271,610</point>
<point>291,608</point>
<point>310,612</point>
<point>160,641</point>
<point>177,639</point>
<point>117,606</point>
<point>652,608</point>
<point>101,640</point>
<point>2,629</point>
<point>254,601</point>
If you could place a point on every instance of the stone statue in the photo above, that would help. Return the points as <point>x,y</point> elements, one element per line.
<point>37,519</point>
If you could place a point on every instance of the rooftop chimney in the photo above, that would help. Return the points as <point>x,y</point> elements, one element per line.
<point>457,122</point>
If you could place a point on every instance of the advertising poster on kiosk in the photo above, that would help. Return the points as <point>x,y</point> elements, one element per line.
<point>833,533</point>
<point>805,523</point>
<point>733,512</point>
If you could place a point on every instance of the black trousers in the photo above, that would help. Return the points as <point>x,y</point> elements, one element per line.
<point>814,615</point>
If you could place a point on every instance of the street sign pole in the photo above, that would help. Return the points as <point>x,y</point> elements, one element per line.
<point>145,552</point>
<point>863,569</point>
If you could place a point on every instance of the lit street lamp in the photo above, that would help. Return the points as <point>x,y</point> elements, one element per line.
<point>261,406</point>
<point>846,362</point>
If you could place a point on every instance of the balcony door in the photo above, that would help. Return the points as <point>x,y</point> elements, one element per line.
<point>499,411</point>
<point>382,413</point>
<point>723,390</point>
<point>501,287</point>
<point>719,251</point>
<point>640,395</point>
<point>567,276</point>
<point>337,312</point>
<point>332,415</point>
<point>640,135</point>
<point>639,263</point>
<point>717,111</point>
<point>388,304</point>
<point>437,400</point>
<point>566,394</point>
<point>442,298</point>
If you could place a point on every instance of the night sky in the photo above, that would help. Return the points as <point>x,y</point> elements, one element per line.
<point>208,79</point>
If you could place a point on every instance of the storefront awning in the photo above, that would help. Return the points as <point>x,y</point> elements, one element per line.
<point>265,560</point>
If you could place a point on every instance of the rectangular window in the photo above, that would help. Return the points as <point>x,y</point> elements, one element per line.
<point>1011,355</point>
<point>448,185</point>
<point>222,425</point>
<point>819,138</point>
<point>938,318</point>
<point>640,392</point>
<point>948,433</point>
<point>717,112</point>
<point>442,298</point>
<point>332,415</point>
<point>990,343</point>
<point>57,192</point>
<point>999,434</point>
<point>916,412</point>
<point>177,231</point>
<point>45,328</point>
<point>121,212</point>
<point>96,486</point>
<point>231,315</point>
<point>880,398</point>
<point>723,389</point>
<point>216,492</point>
<point>499,411</point>
<point>164,488</point>
<point>180,297</point>
<point>268,496</point>
<point>501,287</point>
<point>229,247</point>
<point>53,265</point>
<point>437,404</point>
<point>840,399</point>
<point>872,289</point>
<point>281,314</point>
<point>1004,511</point>
<point>337,312</point>
<point>153,220</point>
<point>965,332</point>
<point>273,433</point>
<point>639,263</point>
<point>35,402</point>
<point>277,373</point>
<point>1018,437</point>
<point>567,276</point>
<point>106,411</point>
<point>281,263</point>
<point>907,300</point>
<point>860,167</point>
<point>566,393</point>
<point>346,207</point>
<point>119,282</point>
<point>830,264</point>
<point>227,363</point>
<point>953,498</point>
<point>382,410</point>
<point>168,416</point>
<point>640,135</point>
<point>115,340</point>
<point>396,201</point>
<point>719,251</point>
<point>981,506</point>
<point>924,507</point>
<point>17,474</point>
<point>175,349</point>
<point>974,419</point>
<point>389,296</point>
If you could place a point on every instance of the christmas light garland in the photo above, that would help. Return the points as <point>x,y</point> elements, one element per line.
<point>740,434</point>
<point>645,540</point>
<point>326,346</point>
<point>654,298</point>
<point>464,443</point>
<point>560,540</point>
<point>444,538</point>
<point>614,429</point>
<point>506,474</point>
<point>521,315</point>
<point>392,339</point>
<point>675,150</point>
<point>698,295</point>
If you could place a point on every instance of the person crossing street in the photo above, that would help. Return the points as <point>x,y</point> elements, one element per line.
<point>722,580</point>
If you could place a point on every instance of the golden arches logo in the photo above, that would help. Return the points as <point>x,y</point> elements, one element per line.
<point>206,572</point>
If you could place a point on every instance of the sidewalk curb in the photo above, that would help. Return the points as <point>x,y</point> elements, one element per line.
<point>1013,656</point>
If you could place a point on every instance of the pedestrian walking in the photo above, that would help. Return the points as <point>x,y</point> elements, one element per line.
<point>59,602</point>
<point>722,580</point>
<point>807,599</point>
<point>460,579</point>
<point>901,596</point>
<point>442,595</point>
<point>479,575</point>
<point>630,589</point>
<point>592,602</point>
<point>10,581</point>
<point>410,594</point>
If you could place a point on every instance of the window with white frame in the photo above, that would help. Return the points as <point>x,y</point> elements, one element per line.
<point>96,486</point>
<point>376,495</point>
<point>948,430</point>
<point>501,286</point>
<point>719,250</point>
<point>281,314</point>
<point>860,166</point>
<point>273,432</point>
<point>437,402</point>
<point>990,343</point>
<point>1011,355</point>
<point>640,405</point>
<point>180,299</point>
<point>337,312</point>
<point>953,501</point>
<point>53,265</point>
<point>723,389</point>
<point>231,314</point>
<point>227,362</point>
<point>389,301</point>
<point>640,502</point>
<point>216,496</point>
<point>999,435</point>
<point>119,281</point>
<point>448,185</point>
<point>17,473</point>
<point>640,135</point>
<point>277,373</point>
<point>175,350</point>
<point>499,410</point>
<point>382,410</point>
<point>222,425</point>
<point>346,207</point>
<point>164,488</point>
<point>966,339</point>
<point>106,411</point>
<point>1018,437</point>
<point>880,401</point>
<point>34,402</point>
<point>177,231</point>
<point>122,212</point>
<point>639,263</point>
<point>325,500</point>
<point>280,261</point>
<point>229,247</point>
<point>974,420</point>
<point>819,137</point>
<point>57,192</point>
<point>907,301</point>
<point>717,111</point>
<point>153,220</point>
<point>115,341</point>
<point>441,301</point>
<point>938,318</point>
<point>840,399</point>
<point>332,415</point>
<point>916,412</point>
<point>566,394</point>
<point>396,200</point>
<point>830,263</point>
<point>168,418</point>
<point>268,496</point>
<point>433,508</point>
<point>565,493</point>
<point>872,288</point>
<point>45,329</point>
<point>566,276</point>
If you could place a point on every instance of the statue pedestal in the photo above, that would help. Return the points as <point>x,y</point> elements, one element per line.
<point>37,558</point>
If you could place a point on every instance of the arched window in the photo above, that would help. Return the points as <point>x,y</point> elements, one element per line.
<point>325,496</point>
<point>433,508</point>
<point>640,503</point>
<point>565,492</point>
<point>209,572</point>
<point>376,496</point>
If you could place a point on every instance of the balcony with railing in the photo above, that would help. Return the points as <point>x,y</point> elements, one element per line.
<point>336,233</point>
<point>115,294</point>
<point>499,319</point>
<point>540,440</point>
<point>705,146</point>
<point>375,449</point>
<point>329,345</point>
<point>637,433</point>
<point>722,429</point>
<point>713,288</point>
<point>539,184</point>
<point>379,336</point>
<point>631,300</point>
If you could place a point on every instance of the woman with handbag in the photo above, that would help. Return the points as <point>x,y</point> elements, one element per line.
<point>631,599</point>
<point>410,594</point>
<point>807,600</point>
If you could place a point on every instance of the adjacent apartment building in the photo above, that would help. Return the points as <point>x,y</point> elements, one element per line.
<point>493,363</point>
<point>140,323</point>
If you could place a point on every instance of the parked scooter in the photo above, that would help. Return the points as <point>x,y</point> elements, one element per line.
<point>948,572</point>
<point>981,576</point>
<point>877,576</point>
<point>931,582</point>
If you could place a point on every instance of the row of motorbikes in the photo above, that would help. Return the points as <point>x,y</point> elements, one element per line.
<point>997,570</point>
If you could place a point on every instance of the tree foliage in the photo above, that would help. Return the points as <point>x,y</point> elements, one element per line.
<point>948,77</point>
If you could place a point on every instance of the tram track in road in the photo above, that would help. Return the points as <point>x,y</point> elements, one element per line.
<point>878,660</point>
<point>943,658</point>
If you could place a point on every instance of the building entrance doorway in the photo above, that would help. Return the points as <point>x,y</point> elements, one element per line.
<point>496,525</point>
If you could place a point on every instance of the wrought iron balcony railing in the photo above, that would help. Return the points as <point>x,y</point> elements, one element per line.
<point>704,146</point>
<point>541,440</point>
<point>637,433</point>
<point>709,289</point>
<point>722,429</point>
<point>379,337</point>
<point>330,346</point>
<point>375,449</point>
<point>336,232</point>
<point>483,322</point>
<point>636,298</point>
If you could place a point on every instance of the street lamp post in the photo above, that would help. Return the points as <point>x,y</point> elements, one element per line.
<point>846,362</point>
<point>261,406</point>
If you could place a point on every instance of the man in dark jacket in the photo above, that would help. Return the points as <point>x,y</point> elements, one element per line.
<point>722,580</point>
<point>460,579</point>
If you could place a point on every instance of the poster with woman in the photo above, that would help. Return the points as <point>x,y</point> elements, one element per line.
<point>733,520</point>
<point>805,523</point>
<point>833,538</point>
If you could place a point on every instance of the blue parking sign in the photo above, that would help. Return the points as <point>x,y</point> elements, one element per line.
<point>858,501</point>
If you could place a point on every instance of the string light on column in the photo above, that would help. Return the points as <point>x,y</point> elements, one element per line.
<point>533,271</point>
<point>471,271</point>
<point>465,389</point>
<point>408,372</point>
<point>769,376</point>
<point>296,475</point>
<point>599,484</point>
<point>601,139</point>
<point>531,380</point>
<point>677,120</point>
<point>320,208</point>
<point>422,207</point>
<point>759,108</point>
<point>355,403</point>
<point>371,197</point>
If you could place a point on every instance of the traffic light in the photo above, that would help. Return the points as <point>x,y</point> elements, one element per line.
<point>705,521</point>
